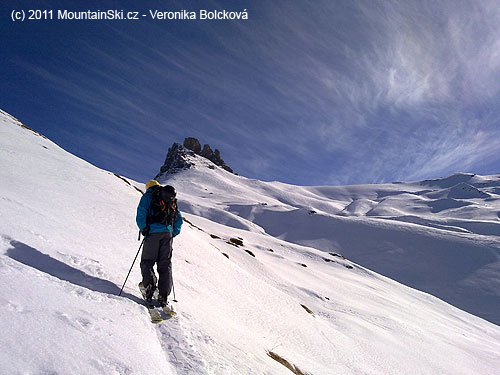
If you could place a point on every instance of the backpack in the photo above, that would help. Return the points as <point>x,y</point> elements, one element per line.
<point>163,208</point>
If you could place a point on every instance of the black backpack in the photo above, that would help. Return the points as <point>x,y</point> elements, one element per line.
<point>163,208</point>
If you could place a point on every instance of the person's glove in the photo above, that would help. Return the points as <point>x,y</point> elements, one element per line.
<point>145,231</point>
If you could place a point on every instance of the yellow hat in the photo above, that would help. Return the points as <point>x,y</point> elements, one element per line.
<point>151,183</point>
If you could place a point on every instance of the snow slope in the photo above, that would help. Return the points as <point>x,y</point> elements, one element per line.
<point>439,236</point>
<point>68,237</point>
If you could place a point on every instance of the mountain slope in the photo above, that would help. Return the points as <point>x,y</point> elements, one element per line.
<point>68,238</point>
<point>440,236</point>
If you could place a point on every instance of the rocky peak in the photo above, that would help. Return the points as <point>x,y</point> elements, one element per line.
<point>177,156</point>
<point>214,156</point>
<point>192,144</point>
<point>176,159</point>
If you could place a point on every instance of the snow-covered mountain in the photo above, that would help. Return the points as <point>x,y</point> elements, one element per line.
<point>440,236</point>
<point>259,277</point>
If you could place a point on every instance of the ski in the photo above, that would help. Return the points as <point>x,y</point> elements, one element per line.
<point>169,313</point>
<point>159,314</point>
<point>154,313</point>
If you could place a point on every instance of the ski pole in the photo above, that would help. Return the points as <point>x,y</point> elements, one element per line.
<point>131,267</point>
<point>173,288</point>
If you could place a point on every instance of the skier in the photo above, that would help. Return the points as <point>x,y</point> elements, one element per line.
<point>158,232</point>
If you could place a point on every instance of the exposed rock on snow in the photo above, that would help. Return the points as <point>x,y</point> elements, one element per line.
<point>176,160</point>
<point>192,144</point>
<point>178,157</point>
<point>214,156</point>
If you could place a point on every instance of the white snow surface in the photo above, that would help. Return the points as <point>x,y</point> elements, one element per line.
<point>68,238</point>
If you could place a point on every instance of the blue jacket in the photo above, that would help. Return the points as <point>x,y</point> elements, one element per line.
<point>142,213</point>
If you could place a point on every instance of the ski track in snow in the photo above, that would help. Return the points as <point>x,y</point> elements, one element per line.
<point>180,348</point>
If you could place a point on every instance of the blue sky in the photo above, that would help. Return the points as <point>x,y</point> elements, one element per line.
<point>306,92</point>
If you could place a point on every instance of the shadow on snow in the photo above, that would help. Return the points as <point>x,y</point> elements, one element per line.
<point>45,263</point>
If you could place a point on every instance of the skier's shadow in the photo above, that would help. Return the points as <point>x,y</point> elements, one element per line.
<point>45,263</point>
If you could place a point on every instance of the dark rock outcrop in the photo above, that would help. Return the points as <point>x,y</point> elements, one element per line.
<point>176,156</point>
<point>214,156</point>
<point>175,160</point>
<point>193,144</point>
<point>206,152</point>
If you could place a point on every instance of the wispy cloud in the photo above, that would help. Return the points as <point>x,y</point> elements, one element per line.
<point>401,89</point>
<point>322,92</point>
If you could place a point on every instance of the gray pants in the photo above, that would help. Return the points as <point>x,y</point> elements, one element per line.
<point>158,249</point>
